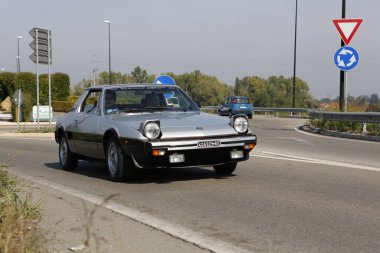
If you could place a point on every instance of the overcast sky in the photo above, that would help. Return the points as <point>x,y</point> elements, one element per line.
<point>224,38</point>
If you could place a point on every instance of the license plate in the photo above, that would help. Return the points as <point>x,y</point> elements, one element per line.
<point>243,107</point>
<point>208,144</point>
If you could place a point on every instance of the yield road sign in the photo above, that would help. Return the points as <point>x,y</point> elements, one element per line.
<point>346,58</point>
<point>347,28</point>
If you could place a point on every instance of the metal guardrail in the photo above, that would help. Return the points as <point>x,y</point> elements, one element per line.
<point>262,109</point>
<point>363,117</point>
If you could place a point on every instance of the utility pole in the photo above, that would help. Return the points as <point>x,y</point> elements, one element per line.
<point>342,93</point>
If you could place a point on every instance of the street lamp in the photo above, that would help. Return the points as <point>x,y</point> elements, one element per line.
<point>18,54</point>
<point>109,50</point>
<point>295,58</point>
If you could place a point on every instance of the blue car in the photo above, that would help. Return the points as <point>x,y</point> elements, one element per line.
<point>233,105</point>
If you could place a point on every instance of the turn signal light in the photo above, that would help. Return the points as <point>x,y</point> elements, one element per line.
<point>158,152</point>
<point>249,146</point>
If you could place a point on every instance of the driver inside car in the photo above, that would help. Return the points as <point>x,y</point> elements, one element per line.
<point>109,102</point>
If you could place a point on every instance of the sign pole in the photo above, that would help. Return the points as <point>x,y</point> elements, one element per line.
<point>49,59</point>
<point>19,109</point>
<point>38,84</point>
<point>342,93</point>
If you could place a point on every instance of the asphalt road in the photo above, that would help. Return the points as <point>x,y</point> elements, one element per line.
<point>298,193</point>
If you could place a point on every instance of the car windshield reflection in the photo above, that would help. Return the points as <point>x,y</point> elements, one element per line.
<point>146,99</point>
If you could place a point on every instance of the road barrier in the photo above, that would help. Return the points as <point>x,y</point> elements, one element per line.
<point>362,117</point>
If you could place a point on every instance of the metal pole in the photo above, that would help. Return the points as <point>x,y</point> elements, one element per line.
<point>38,84</point>
<point>109,53</point>
<point>49,62</point>
<point>342,93</point>
<point>295,57</point>
<point>18,55</point>
<point>19,109</point>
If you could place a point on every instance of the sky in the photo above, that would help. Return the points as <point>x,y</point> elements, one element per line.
<point>228,39</point>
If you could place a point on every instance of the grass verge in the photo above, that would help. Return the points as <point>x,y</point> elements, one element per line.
<point>372,129</point>
<point>19,218</point>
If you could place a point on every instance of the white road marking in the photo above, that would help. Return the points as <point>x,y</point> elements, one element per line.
<point>300,140</point>
<point>278,156</point>
<point>194,237</point>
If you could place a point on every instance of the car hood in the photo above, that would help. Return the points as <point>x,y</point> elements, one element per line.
<point>180,124</point>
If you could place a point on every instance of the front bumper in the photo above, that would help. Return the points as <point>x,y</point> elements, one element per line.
<point>142,153</point>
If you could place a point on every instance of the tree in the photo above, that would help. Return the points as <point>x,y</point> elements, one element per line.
<point>140,75</point>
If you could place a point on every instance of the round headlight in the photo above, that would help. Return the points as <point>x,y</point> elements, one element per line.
<point>240,125</point>
<point>152,130</point>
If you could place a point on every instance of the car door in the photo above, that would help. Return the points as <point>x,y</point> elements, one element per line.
<point>85,132</point>
<point>224,109</point>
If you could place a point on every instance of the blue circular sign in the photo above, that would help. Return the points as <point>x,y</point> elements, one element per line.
<point>164,80</point>
<point>346,58</point>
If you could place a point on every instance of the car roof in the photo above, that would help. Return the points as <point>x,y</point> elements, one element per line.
<point>237,97</point>
<point>129,85</point>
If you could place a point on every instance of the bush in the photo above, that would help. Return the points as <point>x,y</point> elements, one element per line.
<point>342,126</point>
<point>7,84</point>
<point>62,106</point>
<point>26,108</point>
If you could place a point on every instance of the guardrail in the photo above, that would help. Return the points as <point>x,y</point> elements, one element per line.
<point>363,117</point>
<point>262,109</point>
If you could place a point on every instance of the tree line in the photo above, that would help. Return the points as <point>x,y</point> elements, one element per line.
<point>275,91</point>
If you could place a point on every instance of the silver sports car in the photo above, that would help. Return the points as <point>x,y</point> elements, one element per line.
<point>149,126</point>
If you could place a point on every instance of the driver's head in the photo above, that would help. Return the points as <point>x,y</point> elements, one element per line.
<point>110,98</point>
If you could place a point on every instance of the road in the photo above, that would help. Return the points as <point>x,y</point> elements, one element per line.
<point>297,193</point>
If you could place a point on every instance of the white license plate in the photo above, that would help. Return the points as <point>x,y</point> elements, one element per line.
<point>243,107</point>
<point>208,144</point>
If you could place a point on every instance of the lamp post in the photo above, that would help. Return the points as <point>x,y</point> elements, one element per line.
<point>18,54</point>
<point>109,50</point>
<point>295,58</point>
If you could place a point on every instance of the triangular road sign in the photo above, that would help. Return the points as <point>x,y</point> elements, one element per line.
<point>347,28</point>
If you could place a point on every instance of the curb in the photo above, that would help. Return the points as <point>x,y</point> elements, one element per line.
<point>313,130</point>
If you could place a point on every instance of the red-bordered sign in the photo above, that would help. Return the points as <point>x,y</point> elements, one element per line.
<point>347,28</point>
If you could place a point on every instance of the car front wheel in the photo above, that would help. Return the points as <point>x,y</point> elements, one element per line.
<point>67,159</point>
<point>120,167</point>
<point>225,169</point>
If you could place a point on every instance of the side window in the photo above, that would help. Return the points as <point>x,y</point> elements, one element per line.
<point>229,101</point>
<point>91,103</point>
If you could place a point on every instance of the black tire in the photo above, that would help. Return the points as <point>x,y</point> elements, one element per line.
<point>249,116</point>
<point>225,169</point>
<point>67,159</point>
<point>219,113</point>
<point>120,167</point>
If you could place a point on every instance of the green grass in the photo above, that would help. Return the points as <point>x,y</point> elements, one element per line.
<point>349,127</point>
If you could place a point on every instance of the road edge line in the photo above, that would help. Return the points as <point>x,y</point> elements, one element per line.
<point>176,231</point>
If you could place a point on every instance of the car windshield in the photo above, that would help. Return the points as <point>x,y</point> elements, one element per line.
<point>147,99</point>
